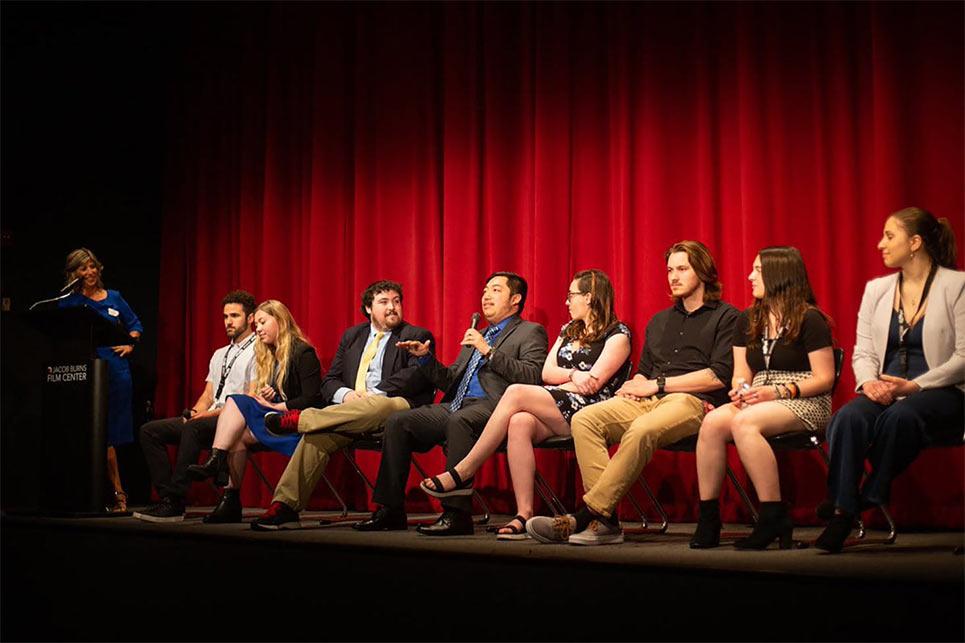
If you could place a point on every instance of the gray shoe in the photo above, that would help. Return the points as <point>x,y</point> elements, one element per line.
<point>598,532</point>
<point>551,530</point>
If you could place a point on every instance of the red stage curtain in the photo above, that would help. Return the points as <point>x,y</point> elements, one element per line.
<point>315,148</point>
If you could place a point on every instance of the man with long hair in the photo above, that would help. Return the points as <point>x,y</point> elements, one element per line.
<point>685,364</point>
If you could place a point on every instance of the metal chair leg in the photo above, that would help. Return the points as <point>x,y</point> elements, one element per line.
<point>549,496</point>
<point>664,520</point>
<point>261,475</point>
<point>743,494</point>
<point>350,456</point>
<point>335,493</point>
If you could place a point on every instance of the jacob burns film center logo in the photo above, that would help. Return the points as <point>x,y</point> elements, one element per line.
<point>67,373</point>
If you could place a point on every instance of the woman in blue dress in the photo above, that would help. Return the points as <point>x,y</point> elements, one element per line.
<point>84,267</point>
<point>288,376</point>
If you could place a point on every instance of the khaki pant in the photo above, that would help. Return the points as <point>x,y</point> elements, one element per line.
<point>640,428</point>
<point>313,452</point>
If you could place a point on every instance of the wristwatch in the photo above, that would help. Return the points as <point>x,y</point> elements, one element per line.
<point>661,381</point>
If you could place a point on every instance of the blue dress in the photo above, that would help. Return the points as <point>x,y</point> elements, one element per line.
<point>255,418</point>
<point>120,417</point>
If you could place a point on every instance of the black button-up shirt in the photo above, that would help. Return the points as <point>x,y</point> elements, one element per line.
<point>679,342</point>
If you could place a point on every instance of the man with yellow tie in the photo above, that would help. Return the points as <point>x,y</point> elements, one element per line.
<point>370,379</point>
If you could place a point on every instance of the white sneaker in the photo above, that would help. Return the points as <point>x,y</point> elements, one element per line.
<point>598,532</point>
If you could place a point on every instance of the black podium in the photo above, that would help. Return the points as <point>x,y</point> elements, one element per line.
<point>55,349</point>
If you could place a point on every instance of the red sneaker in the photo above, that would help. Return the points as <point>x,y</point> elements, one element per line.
<point>278,516</point>
<point>279,424</point>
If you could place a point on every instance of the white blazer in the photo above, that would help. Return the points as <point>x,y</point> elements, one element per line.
<point>943,335</point>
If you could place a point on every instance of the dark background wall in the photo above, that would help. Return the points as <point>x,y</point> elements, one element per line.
<point>83,129</point>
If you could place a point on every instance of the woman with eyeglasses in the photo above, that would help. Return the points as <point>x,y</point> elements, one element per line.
<point>587,364</point>
<point>909,367</point>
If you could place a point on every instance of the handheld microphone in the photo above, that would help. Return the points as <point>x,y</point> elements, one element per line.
<point>475,320</point>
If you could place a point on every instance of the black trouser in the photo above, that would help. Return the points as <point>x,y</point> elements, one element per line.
<point>890,437</point>
<point>191,437</point>
<point>418,431</point>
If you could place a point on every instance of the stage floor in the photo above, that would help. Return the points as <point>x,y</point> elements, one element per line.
<point>405,586</point>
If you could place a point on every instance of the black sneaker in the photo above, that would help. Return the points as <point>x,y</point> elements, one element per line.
<point>165,511</point>
<point>228,509</point>
<point>278,516</point>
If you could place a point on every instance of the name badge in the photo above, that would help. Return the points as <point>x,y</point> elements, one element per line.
<point>113,313</point>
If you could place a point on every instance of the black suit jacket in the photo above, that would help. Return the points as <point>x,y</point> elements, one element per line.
<point>304,378</point>
<point>399,378</point>
<point>517,358</point>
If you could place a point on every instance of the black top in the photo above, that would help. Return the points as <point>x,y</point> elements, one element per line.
<point>815,334</point>
<point>916,364</point>
<point>679,342</point>
<point>303,384</point>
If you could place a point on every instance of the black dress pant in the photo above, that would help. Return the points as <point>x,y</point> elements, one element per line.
<point>191,437</point>
<point>418,430</point>
<point>890,437</point>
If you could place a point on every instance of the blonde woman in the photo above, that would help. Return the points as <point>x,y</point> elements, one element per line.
<point>288,376</point>
<point>85,270</point>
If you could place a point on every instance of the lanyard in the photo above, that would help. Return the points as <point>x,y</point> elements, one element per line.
<point>767,347</point>
<point>226,365</point>
<point>903,325</point>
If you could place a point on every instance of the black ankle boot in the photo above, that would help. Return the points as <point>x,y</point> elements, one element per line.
<point>833,537</point>
<point>228,509</point>
<point>215,467</point>
<point>774,523</point>
<point>707,534</point>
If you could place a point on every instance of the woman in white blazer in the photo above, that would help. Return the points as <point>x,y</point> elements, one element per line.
<point>909,366</point>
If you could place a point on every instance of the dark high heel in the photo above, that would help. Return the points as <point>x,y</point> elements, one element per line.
<point>774,523</point>
<point>215,467</point>
<point>228,509</point>
<point>833,537</point>
<point>707,534</point>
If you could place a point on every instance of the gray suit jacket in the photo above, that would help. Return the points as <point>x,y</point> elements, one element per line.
<point>520,351</point>
<point>943,333</point>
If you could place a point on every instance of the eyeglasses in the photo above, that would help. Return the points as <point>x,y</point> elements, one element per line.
<point>571,295</point>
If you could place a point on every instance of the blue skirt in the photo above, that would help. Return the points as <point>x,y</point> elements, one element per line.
<point>255,417</point>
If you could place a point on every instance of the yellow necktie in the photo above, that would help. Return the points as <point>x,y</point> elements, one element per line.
<point>366,360</point>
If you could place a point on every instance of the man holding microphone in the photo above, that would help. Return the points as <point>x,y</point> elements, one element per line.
<point>508,351</point>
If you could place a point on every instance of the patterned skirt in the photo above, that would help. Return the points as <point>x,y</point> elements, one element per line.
<point>813,411</point>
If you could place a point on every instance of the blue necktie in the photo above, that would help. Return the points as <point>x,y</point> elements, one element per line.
<point>470,370</point>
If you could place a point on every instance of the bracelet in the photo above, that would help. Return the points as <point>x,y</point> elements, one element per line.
<point>593,376</point>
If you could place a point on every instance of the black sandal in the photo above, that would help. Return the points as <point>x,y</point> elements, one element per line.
<point>462,488</point>
<point>514,532</point>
